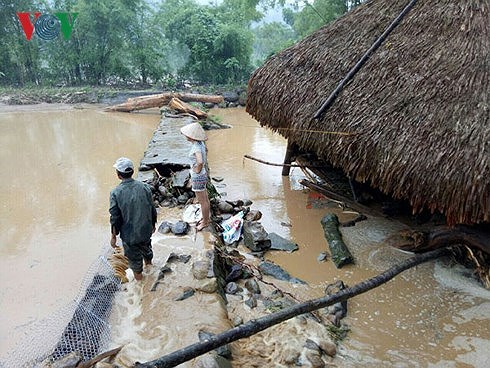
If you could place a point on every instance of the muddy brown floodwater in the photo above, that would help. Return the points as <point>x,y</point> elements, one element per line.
<point>57,173</point>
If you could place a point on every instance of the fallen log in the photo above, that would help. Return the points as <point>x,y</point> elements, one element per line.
<point>256,325</point>
<point>162,99</point>
<point>182,107</point>
<point>339,251</point>
<point>421,241</point>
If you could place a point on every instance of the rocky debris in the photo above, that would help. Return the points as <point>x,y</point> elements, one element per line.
<point>322,257</point>
<point>237,321</point>
<point>255,237</point>
<point>235,272</point>
<point>252,286</point>
<point>184,258</point>
<point>180,228</point>
<point>188,292</point>
<point>165,227</point>
<point>290,357</point>
<point>280,243</point>
<point>200,269</point>
<point>271,269</point>
<point>167,171</point>
<point>232,288</point>
<point>209,286</point>
<point>315,358</point>
<point>231,96</point>
<point>253,215</point>
<point>225,207</point>
<point>328,347</point>
<point>251,302</point>
<point>339,310</point>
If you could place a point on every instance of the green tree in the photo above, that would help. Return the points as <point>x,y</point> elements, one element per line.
<point>219,41</point>
<point>20,60</point>
<point>147,45</point>
<point>313,16</point>
<point>101,38</point>
<point>271,38</point>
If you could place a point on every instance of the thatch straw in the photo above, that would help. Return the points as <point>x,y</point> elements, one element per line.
<point>421,102</point>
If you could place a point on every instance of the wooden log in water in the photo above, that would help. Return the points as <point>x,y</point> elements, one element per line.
<point>162,99</point>
<point>421,241</point>
<point>183,107</point>
<point>338,250</point>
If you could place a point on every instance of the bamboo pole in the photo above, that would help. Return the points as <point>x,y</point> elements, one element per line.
<point>333,96</point>
<point>256,325</point>
<point>275,164</point>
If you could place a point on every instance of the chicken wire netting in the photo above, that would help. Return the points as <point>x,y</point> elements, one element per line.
<point>81,326</point>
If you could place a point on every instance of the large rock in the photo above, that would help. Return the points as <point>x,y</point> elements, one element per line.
<point>180,179</point>
<point>280,243</point>
<point>180,228</point>
<point>255,237</point>
<point>271,269</point>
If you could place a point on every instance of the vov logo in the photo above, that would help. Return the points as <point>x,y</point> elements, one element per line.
<point>47,26</point>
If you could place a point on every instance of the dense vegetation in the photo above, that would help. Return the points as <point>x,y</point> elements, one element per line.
<point>152,42</point>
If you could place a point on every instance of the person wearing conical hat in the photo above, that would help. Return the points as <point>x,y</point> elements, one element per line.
<point>199,177</point>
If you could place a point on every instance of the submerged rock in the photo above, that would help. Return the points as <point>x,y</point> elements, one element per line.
<point>280,243</point>
<point>186,294</point>
<point>271,269</point>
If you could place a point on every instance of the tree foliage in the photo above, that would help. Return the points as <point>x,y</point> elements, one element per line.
<point>146,43</point>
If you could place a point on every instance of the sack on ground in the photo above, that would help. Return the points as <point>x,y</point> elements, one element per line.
<point>232,228</point>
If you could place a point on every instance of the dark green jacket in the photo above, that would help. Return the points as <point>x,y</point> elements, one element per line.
<point>133,214</point>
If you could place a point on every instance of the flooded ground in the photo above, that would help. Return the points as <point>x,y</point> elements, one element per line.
<point>54,223</point>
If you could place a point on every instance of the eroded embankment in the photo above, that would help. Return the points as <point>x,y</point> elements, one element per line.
<point>195,288</point>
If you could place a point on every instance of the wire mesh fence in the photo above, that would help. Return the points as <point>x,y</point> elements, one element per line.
<point>81,326</point>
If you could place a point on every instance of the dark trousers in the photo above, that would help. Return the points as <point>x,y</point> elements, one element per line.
<point>136,253</point>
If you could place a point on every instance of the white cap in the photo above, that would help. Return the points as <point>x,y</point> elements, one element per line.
<point>124,165</point>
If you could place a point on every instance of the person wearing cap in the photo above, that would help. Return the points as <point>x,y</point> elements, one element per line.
<point>199,177</point>
<point>133,217</point>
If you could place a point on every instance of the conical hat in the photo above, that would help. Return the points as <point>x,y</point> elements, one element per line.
<point>194,131</point>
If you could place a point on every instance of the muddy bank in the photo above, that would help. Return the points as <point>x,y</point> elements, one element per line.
<point>99,95</point>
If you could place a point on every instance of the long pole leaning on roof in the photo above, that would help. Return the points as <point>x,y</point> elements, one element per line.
<point>256,325</point>
<point>330,100</point>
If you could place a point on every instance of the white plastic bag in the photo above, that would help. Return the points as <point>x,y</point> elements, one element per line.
<point>232,228</point>
<point>192,213</point>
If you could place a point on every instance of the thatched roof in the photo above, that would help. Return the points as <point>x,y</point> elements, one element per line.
<point>420,103</point>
